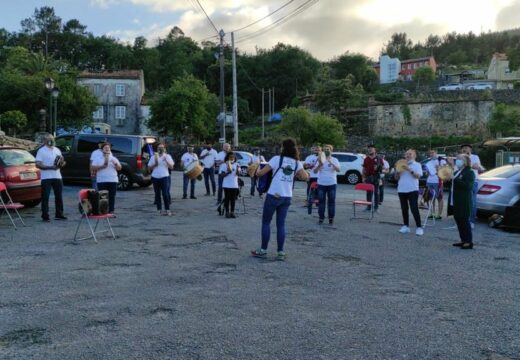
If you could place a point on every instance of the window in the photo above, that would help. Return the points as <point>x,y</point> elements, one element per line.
<point>415,66</point>
<point>96,89</point>
<point>403,67</point>
<point>121,145</point>
<point>64,143</point>
<point>120,112</point>
<point>409,66</point>
<point>98,114</point>
<point>344,158</point>
<point>15,157</point>
<point>120,89</point>
<point>87,144</point>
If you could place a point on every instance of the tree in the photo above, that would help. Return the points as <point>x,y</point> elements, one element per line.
<point>186,108</point>
<point>41,26</point>
<point>505,120</point>
<point>399,46</point>
<point>15,120</point>
<point>356,65</point>
<point>333,96</point>
<point>424,75</point>
<point>513,56</point>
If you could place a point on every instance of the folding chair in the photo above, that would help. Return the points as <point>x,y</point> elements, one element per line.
<point>431,203</point>
<point>365,188</point>
<point>83,194</point>
<point>9,204</point>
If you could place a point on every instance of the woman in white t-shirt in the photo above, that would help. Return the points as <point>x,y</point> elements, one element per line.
<point>160,163</point>
<point>229,170</point>
<point>106,167</point>
<point>279,195</point>
<point>327,181</point>
<point>408,191</point>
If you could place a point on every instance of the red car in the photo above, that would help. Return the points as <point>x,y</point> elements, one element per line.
<point>21,176</point>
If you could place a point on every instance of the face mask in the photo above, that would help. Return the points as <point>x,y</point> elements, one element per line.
<point>327,153</point>
<point>50,142</point>
<point>459,163</point>
<point>208,147</point>
<point>161,151</point>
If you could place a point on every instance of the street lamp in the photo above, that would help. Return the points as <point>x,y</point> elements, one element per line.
<point>49,85</point>
<point>55,92</point>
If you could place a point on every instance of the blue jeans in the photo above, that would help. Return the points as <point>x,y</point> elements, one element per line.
<point>254,180</point>
<point>57,187</point>
<point>281,206</point>
<point>220,190</point>
<point>209,175</point>
<point>185,186</point>
<point>328,191</point>
<point>160,186</point>
<point>112,188</point>
<point>473,215</point>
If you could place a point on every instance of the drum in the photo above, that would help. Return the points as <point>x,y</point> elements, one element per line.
<point>193,170</point>
<point>445,172</point>
<point>401,165</point>
<point>251,169</point>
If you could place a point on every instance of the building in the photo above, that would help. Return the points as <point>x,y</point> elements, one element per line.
<point>119,94</point>
<point>500,72</point>
<point>410,66</point>
<point>388,69</point>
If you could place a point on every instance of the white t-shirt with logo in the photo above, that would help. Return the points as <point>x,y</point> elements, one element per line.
<point>47,156</point>
<point>407,182</point>
<point>230,181</point>
<point>327,175</point>
<point>161,170</point>
<point>209,159</point>
<point>188,158</point>
<point>311,161</point>
<point>282,182</point>
<point>431,166</point>
<point>108,174</point>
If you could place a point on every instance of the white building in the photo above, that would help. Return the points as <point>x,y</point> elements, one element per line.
<point>389,69</point>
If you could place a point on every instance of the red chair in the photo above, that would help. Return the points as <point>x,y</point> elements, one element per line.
<point>83,194</point>
<point>7,204</point>
<point>365,188</point>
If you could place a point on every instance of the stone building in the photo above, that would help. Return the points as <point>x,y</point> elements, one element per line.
<point>500,72</point>
<point>119,94</point>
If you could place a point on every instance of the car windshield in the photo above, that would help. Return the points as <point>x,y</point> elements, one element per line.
<point>502,172</point>
<point>15,157</point>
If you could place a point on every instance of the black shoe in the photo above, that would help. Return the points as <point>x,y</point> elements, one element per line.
<point>228,216</point>
<point>466,246</point>
<point>459,244</point>
<point>331,221</point>
<point>207,194</point>
<point>193,197</point>
<point>184,197</point>
<point>219,210</point>
<point>60,217</point>
<point>320,221</point>
<point>232,215</point>
<point>46,219</point>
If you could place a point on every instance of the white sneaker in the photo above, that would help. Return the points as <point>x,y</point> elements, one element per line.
<point>404,229</point>
<point>472,225</point>
<point>419,231</point>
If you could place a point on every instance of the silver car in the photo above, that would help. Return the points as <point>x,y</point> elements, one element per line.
<point>498,189</point>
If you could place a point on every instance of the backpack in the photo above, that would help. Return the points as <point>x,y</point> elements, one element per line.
<point>264,182</point>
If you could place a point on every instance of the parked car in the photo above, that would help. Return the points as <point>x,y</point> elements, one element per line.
<point>129,149</point>
<point>21,176</point>
<point>351,166</point>
<point>243,158</point>
<point>498,189</point>
<point>451,87</point>
<point>480,87</point>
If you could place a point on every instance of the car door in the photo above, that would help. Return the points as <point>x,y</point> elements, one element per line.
<point>85,146</point>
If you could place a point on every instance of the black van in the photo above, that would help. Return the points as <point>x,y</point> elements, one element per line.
<point>129,149</point>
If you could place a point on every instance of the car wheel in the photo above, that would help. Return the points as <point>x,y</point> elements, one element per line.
<point>32,203</point>
<point>244,171</point>
<point>124,183</point>
<point>353,177</point>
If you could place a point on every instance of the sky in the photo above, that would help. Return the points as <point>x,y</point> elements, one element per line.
<point>325,28</point>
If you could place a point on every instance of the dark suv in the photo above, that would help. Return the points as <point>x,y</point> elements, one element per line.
<point>129,149</point>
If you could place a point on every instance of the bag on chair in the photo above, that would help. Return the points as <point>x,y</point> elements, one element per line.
<point>99,201</point>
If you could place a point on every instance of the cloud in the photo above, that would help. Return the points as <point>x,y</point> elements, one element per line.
<point>507,18</point>
<point>104,4</point>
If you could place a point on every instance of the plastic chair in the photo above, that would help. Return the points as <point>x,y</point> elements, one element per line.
<point>365,188</point>
<point>83,194</point>
<point>8,204</point>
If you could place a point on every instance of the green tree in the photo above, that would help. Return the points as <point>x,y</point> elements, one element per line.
<point>14,120</point>
<point>327,130</point>
<point>333,96</point>
<point>424,75</point>
<point>399,46</point>
<point>505,120</point>
<point>356,65</point>
<point>186,108</point>
<point>514,57</point>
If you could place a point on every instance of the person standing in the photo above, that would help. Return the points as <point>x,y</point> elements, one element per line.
<point>186,159</point>
<point>256,159</point>
<point>160,163</point>
<point>327,182</point>
<point>278,199</point>
<point>49,161</point>
<point>229,171</point>
<point>384,172</point>
<point>106,166</point>
<point>372,168</point>
<point>408,191</point>
<point>477,167</point>
<point>434,183</point>
<point>309,163</point>
<point>208,157</point>
<point>219,161</point>
<point>95,153</point>
<point>460,203</point>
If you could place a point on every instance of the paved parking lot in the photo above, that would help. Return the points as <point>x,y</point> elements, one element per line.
<point>185,287</point>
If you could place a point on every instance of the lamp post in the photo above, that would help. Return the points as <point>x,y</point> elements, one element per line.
<point>54,94</point>
<point>49,85</point>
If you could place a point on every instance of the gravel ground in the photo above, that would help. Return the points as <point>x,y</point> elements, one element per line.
<point>185,287</point>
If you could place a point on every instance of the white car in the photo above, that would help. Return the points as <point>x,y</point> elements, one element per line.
<point>480,87</point>
<point>351,166</point>
<point>451,87</point>
<point>243,158</point>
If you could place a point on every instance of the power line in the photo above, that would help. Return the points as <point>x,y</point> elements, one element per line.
<point>265,17</point>
<point>207,17</point>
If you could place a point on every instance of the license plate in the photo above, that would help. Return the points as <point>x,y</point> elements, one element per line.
<point>28,176</point>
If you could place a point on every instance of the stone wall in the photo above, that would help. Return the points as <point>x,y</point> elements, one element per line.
<point>443,118</point>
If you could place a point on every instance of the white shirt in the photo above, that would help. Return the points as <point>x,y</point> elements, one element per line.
<point>209,159</point>
<point>257,158</point>
<point>327,175</point>
<point>475,160</point>
<point>311,160</point>
<point>282,182</point>
<point>407,182</point>
<point>108,174</point>
<point>431,167</point>
<point>92,156</point>
<point>221,156</point>
<point>230,181</point>
<point>47,156</point>
<point>161,170</point>
<point>188,158</point>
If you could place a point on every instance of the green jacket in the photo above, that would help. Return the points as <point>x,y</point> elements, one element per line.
<point>462,193</point>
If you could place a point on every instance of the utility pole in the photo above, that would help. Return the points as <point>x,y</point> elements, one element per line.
<point>222,115</point>
<point>235,100</point>
<point>263,116</point>
<point>273,101</point>
<point>269,101</point>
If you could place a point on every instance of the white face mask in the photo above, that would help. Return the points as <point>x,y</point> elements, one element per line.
<point>459,163</point>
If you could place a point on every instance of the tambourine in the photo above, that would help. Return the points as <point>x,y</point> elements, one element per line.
<point>251,169</point>
<point>445,172</point>
<point>401,165</point>
<point>322,157</point>
<point>59,161</point>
